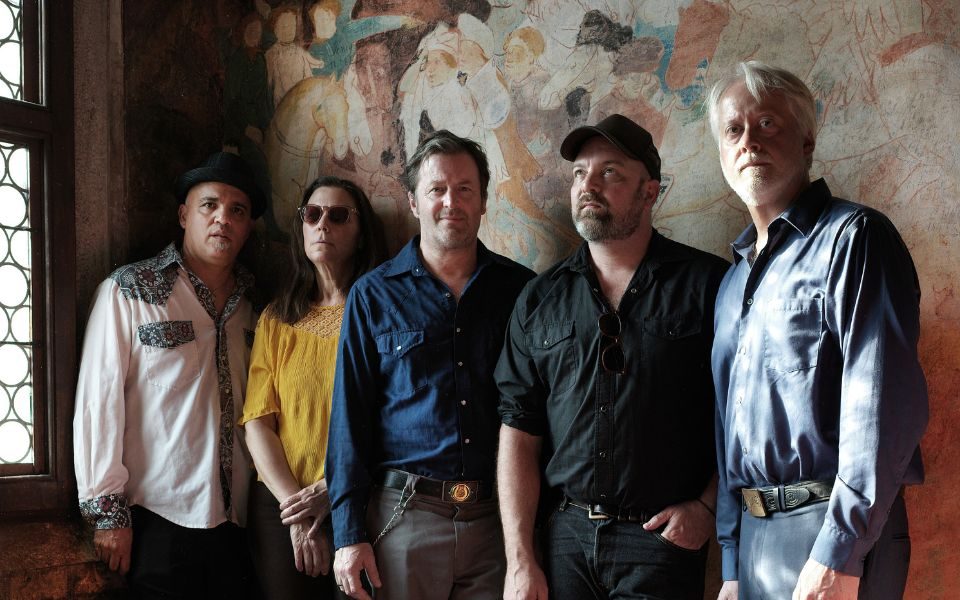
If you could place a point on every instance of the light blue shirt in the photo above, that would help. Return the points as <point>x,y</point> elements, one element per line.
<point>815,363</point>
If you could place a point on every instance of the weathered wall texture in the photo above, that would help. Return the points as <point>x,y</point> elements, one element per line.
<point>347,88</point>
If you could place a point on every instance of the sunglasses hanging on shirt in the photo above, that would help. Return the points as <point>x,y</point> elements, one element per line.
<point>611,350</point>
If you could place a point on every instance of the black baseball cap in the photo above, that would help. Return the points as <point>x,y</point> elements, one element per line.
<point>633,140</point>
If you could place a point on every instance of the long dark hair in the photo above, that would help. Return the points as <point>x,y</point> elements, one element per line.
<point>300,288</point>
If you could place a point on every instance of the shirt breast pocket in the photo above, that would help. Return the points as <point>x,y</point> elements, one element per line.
<point>552,347</point>
<point>170,348</point>
<point>403,361</point>
<point>792,334</point>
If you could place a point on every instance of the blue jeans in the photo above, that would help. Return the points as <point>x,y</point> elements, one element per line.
<point>586,559</point>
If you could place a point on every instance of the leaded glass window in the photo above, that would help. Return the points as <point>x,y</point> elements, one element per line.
<point>16,402</point>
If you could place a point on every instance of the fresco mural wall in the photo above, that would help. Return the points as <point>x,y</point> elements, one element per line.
<point>349,87</point>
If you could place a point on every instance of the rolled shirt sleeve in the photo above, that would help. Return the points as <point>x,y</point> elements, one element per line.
<point>522,394</point>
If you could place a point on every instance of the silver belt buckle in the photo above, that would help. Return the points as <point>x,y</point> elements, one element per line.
<point>754,502</point>
<point>595,516</point>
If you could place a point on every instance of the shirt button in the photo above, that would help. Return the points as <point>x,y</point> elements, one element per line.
<point>463,403</point>
<point>546,342</point>
<point>603,495</point>
<point>466,441</point>
<point>745,450</point>
<point>447,295</point>
<point>604,408</point>
<point>459,363</point>
<point>603,454</point>
<point>749,301</point>
<point>399,347</point>
<point>458,330</point>
<point>633,290</point>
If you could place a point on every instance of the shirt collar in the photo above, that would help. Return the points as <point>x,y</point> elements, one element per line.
<point>408,259</point>
<point>171,256</point>
<point>661,250</point>
<point>802,215</point>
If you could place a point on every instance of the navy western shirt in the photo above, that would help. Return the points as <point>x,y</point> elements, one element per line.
<point>815,362</point>
<point>414,385</point>
<point>641,440</point>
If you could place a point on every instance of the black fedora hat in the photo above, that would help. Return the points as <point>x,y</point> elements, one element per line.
<point>223,167</point>
<point>633,140</point>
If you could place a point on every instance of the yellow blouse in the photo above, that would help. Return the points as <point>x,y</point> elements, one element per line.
<point>291,375</point>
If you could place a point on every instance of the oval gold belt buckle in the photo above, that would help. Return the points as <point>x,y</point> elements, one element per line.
<point>461,491</point>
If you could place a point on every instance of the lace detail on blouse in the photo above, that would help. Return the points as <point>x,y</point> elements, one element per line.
<point>323,321</point>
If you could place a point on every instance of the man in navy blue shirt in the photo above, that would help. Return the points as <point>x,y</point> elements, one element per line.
<point>414,424</point>
<point>821,401</point>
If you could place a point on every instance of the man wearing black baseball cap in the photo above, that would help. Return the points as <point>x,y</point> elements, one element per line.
<point>605,381</point>
<point>161,472</point>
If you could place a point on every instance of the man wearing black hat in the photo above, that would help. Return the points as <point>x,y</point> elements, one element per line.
<point>606,394</point>
<point>162,474</point>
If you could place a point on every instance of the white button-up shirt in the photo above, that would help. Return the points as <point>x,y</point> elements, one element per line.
<point>148,408</point>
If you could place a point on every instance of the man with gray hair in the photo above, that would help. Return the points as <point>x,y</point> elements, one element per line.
<point>821,401</point>
<point>413,432</point>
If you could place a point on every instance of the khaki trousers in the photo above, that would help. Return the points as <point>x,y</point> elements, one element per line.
<point>437,549</point>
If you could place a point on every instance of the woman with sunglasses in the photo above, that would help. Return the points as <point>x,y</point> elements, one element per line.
<point>336,238</point>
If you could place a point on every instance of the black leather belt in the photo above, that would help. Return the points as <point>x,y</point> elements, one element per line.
<point>782,498</point>
<point>602,512</point>
<point>455,492</point>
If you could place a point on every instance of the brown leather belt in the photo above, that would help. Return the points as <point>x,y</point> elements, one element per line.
<point>602,512</point>
<point>761,502</point>
<point>455,492</point>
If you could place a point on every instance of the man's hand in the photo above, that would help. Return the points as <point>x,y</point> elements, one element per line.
<point>311,553</point>
<point>525,581</point>
<point>729,591</point>
<point>113,547</point>
<point>689,524</point>
<point>818,582</point>
<point>349,562</point>
<point>311,501</point>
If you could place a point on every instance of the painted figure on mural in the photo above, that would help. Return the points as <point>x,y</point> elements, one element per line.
<point>288,62</point>
<point>585,74</point>
<point>635,89</point>
<point>381,167</point>
<point>320,122</point>
<point>453,84</point>
<point>336,33</point>
<point>525,76</point>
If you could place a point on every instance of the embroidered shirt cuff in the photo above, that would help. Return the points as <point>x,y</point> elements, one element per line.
<point>107,512</point>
